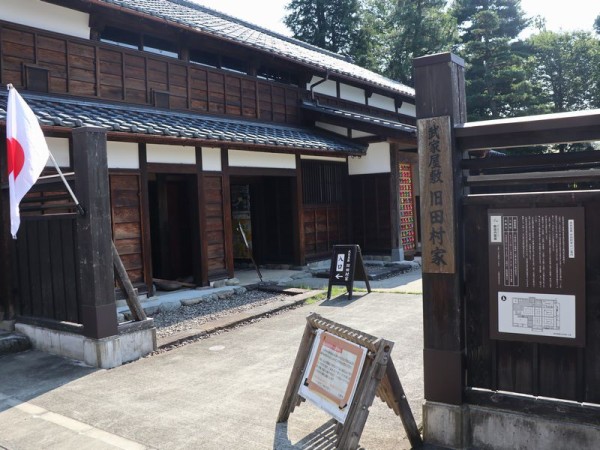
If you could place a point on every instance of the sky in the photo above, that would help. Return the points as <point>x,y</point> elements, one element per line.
<point>568,16</point>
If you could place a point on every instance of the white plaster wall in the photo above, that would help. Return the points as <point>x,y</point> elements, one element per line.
<point>211,159</point>
<point>352,94</point>
<point>243,158</point>
<point>408,109</point>
<point>122,155</point>
<point>327,88</point>
<point>333,128</point>
<point>38,14</point>
<point>323,158</point>
<point>357,133</point>
<point>377,160</point>
<point>59,147</point>
<point>170,154</point>
<point>379,101</point>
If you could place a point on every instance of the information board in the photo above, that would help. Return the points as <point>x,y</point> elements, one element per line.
<point>332,374</point>
<point>537,275</point>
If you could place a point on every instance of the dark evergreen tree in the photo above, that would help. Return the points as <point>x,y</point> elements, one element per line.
<point>496,81</point>
<point>418,28</point>
<point>330,24</point>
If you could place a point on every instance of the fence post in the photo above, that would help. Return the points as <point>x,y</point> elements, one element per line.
<point>440,104</point>
<point>96,275</point>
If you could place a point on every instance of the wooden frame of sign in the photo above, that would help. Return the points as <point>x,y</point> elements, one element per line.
<point>346,266</point>
<point>377,377</point>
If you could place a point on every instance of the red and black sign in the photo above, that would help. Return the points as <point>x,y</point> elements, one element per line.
<point>346,266</point>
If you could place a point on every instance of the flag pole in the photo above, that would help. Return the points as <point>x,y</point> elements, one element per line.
<point>80,208</point>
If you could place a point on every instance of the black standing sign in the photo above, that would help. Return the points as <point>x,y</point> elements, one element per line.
<point>346,266</point>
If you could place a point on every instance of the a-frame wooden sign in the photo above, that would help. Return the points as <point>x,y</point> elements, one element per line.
<point>341,370</point>
<point>346,266</point>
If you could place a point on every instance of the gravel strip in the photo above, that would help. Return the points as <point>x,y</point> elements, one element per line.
<point>186,318</point>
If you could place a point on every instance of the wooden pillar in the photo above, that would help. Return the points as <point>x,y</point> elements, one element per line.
<point>440,104</point>
<point>94,249</point>
<point>228,235</point>
<point>299,240</point>
<point>145,211</point>
<point>201,266</point>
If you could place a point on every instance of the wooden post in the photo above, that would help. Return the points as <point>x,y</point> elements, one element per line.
<point>94,243</point>
<point>440,104</point>
<point>201,266</point>
<point>299,241</point>
<point>130,295</point>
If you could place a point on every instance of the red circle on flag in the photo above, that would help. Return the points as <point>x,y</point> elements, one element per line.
<point>15,157</point>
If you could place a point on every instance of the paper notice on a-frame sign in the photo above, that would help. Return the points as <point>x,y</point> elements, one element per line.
<point>332,374</point>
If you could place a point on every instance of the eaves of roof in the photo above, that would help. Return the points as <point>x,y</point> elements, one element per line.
<point>348,116</point>
<point>205,20</point>
<point>146,123</point>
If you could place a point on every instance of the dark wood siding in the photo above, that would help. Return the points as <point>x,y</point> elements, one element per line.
<point>86,68</point>
<point>324,193</point>
<point>127,222</point>
<point>371,219</point>
<point>215,225</point>
<point>47,264</point>
<point>324,227</point>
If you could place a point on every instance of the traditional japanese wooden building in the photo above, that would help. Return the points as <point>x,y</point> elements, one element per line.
<point>213,123</point>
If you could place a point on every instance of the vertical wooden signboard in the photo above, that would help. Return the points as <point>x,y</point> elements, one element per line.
<point>437,204</point>
<point>346,266</point>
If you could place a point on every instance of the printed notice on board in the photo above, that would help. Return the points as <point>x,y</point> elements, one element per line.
<point>332,374</point>
<point>537,272</point>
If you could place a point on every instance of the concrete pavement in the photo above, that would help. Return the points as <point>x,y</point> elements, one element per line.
<point>223,392</point>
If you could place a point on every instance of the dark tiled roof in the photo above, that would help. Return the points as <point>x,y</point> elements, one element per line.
<point>350,115</point>
<point>206,20</point>
<point>53,111</point>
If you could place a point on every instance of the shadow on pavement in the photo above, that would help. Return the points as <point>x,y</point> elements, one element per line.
<point>323,438</point>
<point>27,375</point>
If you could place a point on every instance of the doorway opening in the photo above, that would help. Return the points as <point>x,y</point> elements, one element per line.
<point>174,232</point>
<point>263,207</point>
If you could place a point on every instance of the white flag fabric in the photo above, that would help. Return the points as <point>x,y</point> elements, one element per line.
<point>27,153</point>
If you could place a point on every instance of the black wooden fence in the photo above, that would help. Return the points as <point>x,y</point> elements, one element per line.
<point>464,362</point>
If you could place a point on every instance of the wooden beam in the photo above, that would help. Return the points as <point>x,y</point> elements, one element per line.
<point>581,126</point>
<point>96,275</point>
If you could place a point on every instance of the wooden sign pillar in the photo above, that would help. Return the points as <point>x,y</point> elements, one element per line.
<point>378,377</point>
<point>440,104</point>
<point>94,244</point>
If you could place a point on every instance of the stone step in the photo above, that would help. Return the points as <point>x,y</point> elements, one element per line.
<point>13,343</point>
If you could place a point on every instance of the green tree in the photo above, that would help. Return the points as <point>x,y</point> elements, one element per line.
<point>565,66</point>
<point>496,81</point>
<point>330,24</point>
<point>597,24</point>
<point>418,28</point>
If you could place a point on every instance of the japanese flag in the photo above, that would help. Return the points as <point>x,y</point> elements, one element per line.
<point>27,153</point>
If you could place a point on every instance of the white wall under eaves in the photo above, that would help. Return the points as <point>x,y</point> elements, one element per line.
<point>122,155</point>
<point>379,101</point>
<point>45,16</point>
<point>377,160</point>
<point>245,158</point>
<point>170,154</point>
<point>409,109</point>
<point>59,147</point>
